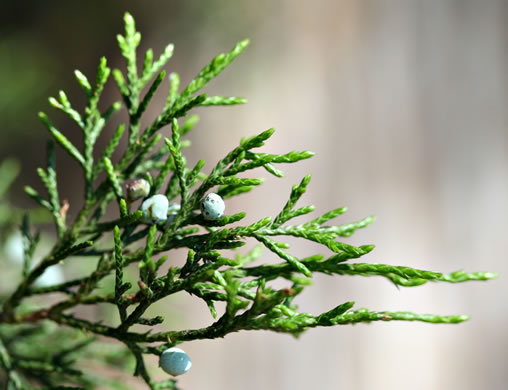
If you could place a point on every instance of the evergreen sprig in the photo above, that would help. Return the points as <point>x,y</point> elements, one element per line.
<point>251,303</point>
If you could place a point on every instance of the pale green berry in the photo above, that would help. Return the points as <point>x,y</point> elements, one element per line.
<point>212,207</point>
<point>175,361</point>
<point>155,209</point>
<point>173,210</point>
<point>52,275</point>
<point>136,189</point>
<point>13,248</point>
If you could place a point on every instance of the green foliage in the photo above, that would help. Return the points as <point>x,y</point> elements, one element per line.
<point>251,303</point>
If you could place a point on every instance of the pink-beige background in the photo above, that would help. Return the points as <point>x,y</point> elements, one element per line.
<point>404,103</point>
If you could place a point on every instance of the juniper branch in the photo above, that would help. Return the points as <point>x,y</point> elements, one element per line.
<point>207,274</point>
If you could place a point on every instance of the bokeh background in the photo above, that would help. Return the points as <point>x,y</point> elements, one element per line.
<point>404,103</point>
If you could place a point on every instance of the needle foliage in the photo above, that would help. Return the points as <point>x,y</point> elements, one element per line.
<point>44,342</point>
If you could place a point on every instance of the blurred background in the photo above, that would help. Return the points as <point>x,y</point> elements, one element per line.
<point>404,103</point>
